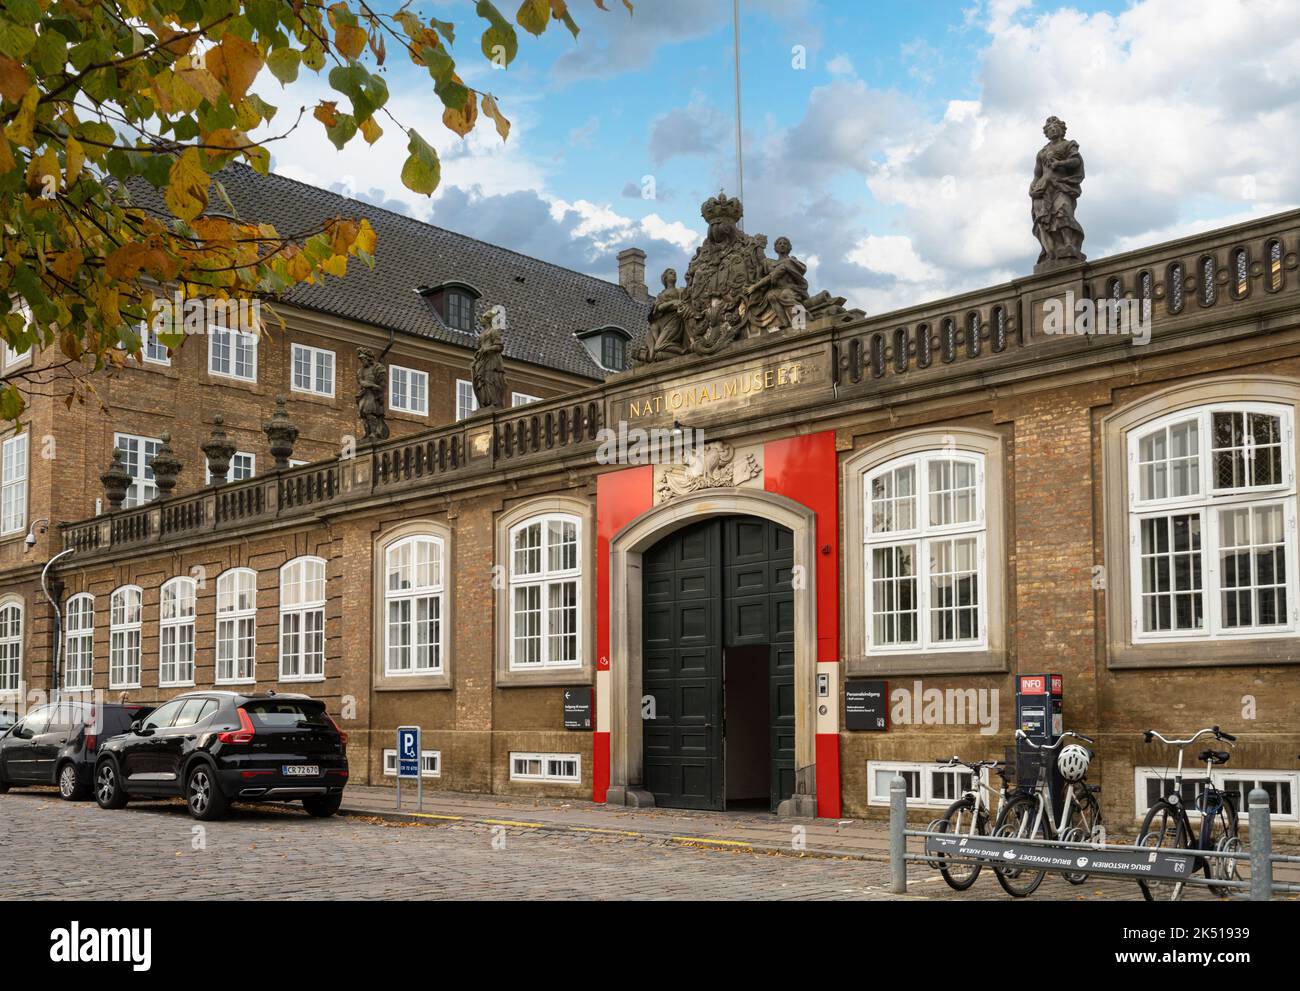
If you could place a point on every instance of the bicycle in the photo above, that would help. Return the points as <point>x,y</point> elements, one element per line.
<point>968,816</point>
<point>1168,820</point>
<point>1027,815</point>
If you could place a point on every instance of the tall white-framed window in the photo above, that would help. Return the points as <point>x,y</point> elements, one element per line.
<point>232,354</point>
<point>124,623</point>
<point>466,401</point>
<point>13,484</point>
<point>413,600</point>
<point>243,464</point>
<point>546,767</point>
<point>236,626</point>
<point>79,644</point>
<point>137,456</point>
<point>545,592</point>
<point>1281,786</point>
<point>408,390</point>
<point>176,632</point>
<point>313,370</point>
<point>523,399</point>
<point>924,554</point>
<point>302,620</point>
<point>1212,519</point>
<point>11,645</point>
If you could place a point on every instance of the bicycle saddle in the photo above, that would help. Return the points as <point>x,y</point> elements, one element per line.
<point>1215,756</point>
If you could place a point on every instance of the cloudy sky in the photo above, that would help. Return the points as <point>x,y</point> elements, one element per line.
<point>892,142</point>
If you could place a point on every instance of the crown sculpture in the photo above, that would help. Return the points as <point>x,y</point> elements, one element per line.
<point>733,291</point>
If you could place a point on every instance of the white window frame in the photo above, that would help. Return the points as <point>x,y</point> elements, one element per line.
<point>313,356</point>
<point>240,647</point>
<point>409,376</point>
<point>927,799</point>
<point>125,633</point>
<point>544,579</point>
<point>135,452</point>
<point>1143,775</point>
<point>410,596</point>
<point>11,645</point>
<point>13,483</point>
<point>247,457</point>
<point>1207,504</point>
<point>523,399</point>
<point>466,401</point>
<point>79,643</point>
<point>922,535</point>
<point>176,658</point>
<point>228,350</point>
<point>430,763</point>
<point>306,615</point>
<point>151,351</point>
<point>547,771</point>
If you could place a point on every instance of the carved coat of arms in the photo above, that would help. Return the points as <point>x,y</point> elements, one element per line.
<point>711,467</point>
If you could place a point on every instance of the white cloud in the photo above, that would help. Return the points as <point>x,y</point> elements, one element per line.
<point>841,66</point>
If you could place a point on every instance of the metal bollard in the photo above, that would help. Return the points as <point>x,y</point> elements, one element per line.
<point>1261,847</point>
<point>897,837</point>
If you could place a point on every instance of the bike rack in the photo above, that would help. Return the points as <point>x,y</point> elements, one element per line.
<point>1261,886</point>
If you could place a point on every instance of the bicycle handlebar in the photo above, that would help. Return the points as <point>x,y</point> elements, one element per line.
<point>1213,731</point>
<point>1021,735</point>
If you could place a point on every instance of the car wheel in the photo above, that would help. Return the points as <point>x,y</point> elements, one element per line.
<point>203,795</point>
<point>322,807</point>
<point>109,792</point>
<point>71,787</point>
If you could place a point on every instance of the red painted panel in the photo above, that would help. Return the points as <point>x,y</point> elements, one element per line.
<point>828,775</point>
<point>599,766</point>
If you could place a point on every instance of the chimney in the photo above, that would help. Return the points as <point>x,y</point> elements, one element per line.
<point>631,273</point>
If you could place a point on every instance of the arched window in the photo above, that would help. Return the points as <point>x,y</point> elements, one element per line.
<point>1147,290</point>
<point>1209,287</point>
<point>924,553</point>
<point>1241,273</point>
<point>124,638</point>
<point>545,592</point>
<point>1174,290</point>
<point>1274,266</point>
<point>11,645</point>
<point>176,633</point>
<point>79,653</point>
<point>413,597</point>
<point>1212,498</point>
<point>302,620</point>
<point>236,626</point>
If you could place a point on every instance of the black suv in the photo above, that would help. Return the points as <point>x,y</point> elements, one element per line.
<point>212,748</point>
<point>58,743</point>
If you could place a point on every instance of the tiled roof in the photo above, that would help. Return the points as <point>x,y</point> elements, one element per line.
<point>546,305</point>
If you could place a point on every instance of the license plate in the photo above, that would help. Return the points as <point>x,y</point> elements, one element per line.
<point>301,770</point>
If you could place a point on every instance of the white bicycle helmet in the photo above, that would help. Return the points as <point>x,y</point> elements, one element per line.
<point>1073,762</point>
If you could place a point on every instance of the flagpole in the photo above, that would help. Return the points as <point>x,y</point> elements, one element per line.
<point>740,161</point>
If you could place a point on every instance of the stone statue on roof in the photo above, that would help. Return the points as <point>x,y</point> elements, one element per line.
<point>372,381</point>
<point>489,370</point>
<point>1055,192</point>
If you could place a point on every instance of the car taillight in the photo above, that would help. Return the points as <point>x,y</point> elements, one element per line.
<point>343,737</point>
<point>244,734</point>
<point>92,741</point>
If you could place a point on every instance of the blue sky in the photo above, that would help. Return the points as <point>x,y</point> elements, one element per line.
<point>893,142</point>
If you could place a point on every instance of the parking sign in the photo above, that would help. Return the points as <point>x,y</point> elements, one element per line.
<point>408,752</point>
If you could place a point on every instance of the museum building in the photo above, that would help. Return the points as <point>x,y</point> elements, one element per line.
<point>1086,472</point>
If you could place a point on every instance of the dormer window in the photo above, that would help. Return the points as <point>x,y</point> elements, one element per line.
<point>458,309</point>
<point>613,351</point>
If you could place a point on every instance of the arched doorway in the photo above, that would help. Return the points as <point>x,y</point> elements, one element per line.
<point>717,672</point>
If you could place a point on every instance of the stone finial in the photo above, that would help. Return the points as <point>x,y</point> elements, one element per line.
<point>166,467</point>
<point>219,451</point>
<point>116,480</point>
<point>281,432</point>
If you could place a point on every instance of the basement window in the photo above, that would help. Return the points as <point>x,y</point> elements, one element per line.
<point>1154,783</point>
<point>546,767</point>
<point>430,763</point>
<point>929,785</point>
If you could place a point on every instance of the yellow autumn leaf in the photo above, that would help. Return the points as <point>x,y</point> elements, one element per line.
<point>335,265</point>
<point>371,131</point>
<point>365,238</point>
<point>462,121</point>
<point>75,157</point>
<point>187,186</point>
<point>19,130</point>
<point>492,110</point>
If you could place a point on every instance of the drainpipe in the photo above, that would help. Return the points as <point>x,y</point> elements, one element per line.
<point>58,615</point>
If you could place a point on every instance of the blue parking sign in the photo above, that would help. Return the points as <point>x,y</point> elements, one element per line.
<point>408,752</point>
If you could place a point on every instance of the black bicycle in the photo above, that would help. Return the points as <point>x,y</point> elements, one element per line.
<point>1168,823</point>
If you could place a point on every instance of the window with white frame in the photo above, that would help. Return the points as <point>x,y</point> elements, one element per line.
<point>124,616</point>
<point>11,646</point>
<point>924,551</point>
<point>430,763</point>
<point>232,354</point>
<point>408,390</point>
<point>137,456</point>
<point>929,786</point>
<point>13,485</point>
<point>12,356</point>
<point>545,576</point>
<point>313,370</point>
<point>242,465</point>
<point>302,620</point>
<point>176,632</point>
<point>523,399</point>
<point>151,350</point>
<point>1282,788</point>
<point>466,401</point>
<point>413,599</point>
<point>79,652</point>
<point>546,767</point>
<point>236,626</point>
<point>1212,499</point>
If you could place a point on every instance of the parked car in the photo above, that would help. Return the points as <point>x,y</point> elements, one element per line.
<point>212,748</point>
<point>7,719</point>
<point>56,744</point>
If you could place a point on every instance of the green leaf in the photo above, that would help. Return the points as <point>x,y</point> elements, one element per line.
<point>534,15</point>
<point>15,39</point>
<point>422,171</point>
<point>343,131</point>
<point>500,44</point>
<point>283,63</point>
<point>366,91</point>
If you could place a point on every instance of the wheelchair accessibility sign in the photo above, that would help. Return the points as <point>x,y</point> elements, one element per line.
<point>408,752</point>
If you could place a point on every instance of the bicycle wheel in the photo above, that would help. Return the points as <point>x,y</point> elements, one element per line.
<point>1219,833</point>
<point>1164,826</point>
<point>1085,821</point>
<point>1017,818</point>
<point>959,821</point>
